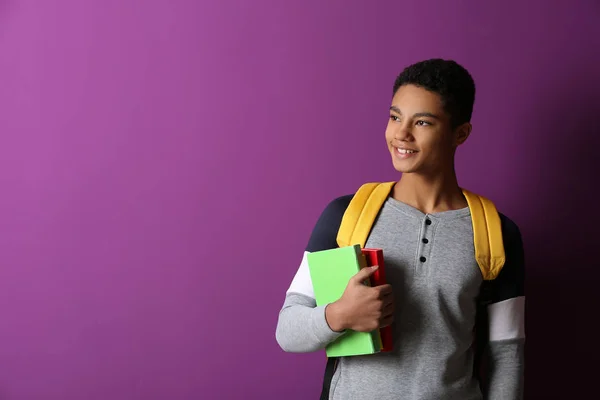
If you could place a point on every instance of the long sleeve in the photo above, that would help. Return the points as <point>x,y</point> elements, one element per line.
<point>506,322</point>
<point>302,326</point>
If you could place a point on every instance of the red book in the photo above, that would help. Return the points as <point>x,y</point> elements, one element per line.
<point>375,257</point>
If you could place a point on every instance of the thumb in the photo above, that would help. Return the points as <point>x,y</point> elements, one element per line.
<point>364,274</point>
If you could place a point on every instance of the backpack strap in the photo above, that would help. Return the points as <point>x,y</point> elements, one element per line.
<point>487,235</point>
<point>364,207</point>
<point>361,213</point>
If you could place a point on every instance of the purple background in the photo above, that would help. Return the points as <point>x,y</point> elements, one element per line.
<point>162,164</point>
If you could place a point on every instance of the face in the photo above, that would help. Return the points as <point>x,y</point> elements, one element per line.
<point>419,132</point>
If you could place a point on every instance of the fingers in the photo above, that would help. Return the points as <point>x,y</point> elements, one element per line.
<point>364,274</point>
<point>388,307</point>
<point>386,321</point>
<point>384,291</point>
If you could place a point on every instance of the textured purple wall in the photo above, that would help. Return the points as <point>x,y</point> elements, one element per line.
<point>162,164</point>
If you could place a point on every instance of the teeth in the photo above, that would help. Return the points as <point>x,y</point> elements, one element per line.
<point>404,151</point>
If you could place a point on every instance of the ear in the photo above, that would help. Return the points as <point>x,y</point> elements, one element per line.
<point>461,134</point>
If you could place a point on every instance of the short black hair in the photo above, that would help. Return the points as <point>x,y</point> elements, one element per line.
<point>449,80</point>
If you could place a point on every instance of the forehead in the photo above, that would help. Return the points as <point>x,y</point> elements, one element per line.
<point>413,99</point>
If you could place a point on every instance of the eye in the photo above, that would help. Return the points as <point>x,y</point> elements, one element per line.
<point>423,123</point>
<point>394,118</point>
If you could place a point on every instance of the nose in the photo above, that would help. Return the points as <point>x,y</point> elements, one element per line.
<point>403,133</point>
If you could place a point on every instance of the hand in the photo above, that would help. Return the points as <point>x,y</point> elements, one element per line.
<point>362,308</point>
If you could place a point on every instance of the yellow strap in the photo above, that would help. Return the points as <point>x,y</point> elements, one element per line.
<point>361,213</point>
<point>487,230</point>
<point>487,235</point>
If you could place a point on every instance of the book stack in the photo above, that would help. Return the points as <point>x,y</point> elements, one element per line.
<point>330,272</point>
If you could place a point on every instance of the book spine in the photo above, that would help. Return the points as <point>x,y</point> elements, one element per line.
<point>375,257</point>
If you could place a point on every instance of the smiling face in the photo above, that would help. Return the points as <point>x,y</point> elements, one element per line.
<point>419,133</point>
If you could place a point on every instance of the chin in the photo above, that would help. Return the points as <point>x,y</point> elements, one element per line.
<point>405,166</point>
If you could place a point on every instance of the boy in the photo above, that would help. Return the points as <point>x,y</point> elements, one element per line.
<point>440,307</point>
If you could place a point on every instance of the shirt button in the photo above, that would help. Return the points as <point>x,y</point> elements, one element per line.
<point>423,259</point>
<point>425,240</point>
<point>428,221</point>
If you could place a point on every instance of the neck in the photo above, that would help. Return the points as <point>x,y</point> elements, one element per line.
<point>430,194</point>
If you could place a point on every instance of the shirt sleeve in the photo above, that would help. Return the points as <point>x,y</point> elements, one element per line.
<point>505,309</point>
<point>301,326</point>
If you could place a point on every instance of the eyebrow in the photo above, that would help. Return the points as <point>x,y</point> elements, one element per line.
<point>421,114</point>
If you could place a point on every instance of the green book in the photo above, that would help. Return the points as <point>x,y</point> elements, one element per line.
<point>330,271</point>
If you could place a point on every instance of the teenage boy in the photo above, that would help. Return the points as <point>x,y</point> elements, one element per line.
<point>440,306</point>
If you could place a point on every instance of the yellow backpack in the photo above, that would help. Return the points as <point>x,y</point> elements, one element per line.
<point>364,207</point>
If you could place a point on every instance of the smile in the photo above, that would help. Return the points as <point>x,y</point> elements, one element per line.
<point>404,153</point>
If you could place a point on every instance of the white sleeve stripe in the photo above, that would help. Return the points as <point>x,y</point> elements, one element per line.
<point>302,283</point>
<point>507,319</point>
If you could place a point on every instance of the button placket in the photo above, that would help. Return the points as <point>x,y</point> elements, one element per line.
<point>424,245</point>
